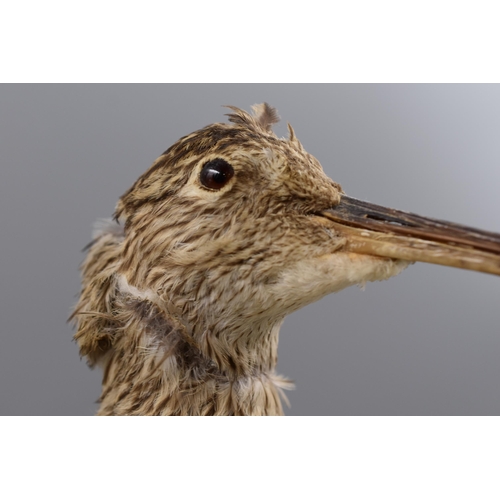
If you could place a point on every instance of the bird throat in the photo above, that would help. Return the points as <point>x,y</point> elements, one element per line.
<point>157,367</point>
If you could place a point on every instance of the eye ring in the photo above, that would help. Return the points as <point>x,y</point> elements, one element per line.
<point>215,174</point>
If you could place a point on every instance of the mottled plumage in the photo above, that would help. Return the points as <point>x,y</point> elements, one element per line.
<point>183,296</point>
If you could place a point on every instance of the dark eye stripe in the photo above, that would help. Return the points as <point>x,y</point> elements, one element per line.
<point>215,174</point>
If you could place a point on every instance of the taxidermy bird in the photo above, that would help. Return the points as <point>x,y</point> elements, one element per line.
<point>230,230</point>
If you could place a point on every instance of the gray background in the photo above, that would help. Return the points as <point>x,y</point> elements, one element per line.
<point>425,342</point>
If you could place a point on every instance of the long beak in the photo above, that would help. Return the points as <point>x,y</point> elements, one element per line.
<point>385,232</point>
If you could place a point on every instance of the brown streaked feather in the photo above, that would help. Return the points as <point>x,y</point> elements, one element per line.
<point>266,116</point>
<point>263,118</point>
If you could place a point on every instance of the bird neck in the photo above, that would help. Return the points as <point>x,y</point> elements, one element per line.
<point>160,365</point>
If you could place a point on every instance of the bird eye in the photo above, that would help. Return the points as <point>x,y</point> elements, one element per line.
<point>215,174</point>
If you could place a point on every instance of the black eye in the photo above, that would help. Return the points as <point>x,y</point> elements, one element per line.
<point>215,174</point>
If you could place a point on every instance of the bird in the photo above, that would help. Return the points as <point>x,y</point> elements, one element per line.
<point>231,229</point>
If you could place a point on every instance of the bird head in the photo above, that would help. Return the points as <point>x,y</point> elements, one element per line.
<point>226,229</point>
